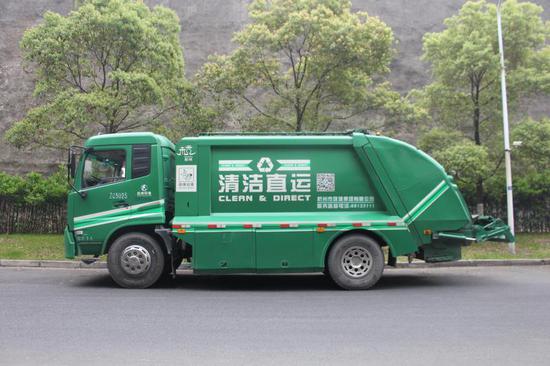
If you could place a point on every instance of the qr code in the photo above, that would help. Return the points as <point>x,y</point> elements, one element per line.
<point>186,178</point>
<point>325,182</point>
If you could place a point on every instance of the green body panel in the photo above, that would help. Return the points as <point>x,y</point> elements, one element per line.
<point>279,249</point>
<point>428,195</point>
<point>216,250</point>
<point>276,203</point>
<point>348,182</point>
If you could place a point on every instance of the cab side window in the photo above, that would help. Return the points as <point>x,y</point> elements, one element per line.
<point>141,160</point>
<point>104,167</point>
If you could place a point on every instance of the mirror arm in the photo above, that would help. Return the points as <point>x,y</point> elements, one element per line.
<point>70,169</point>
<point>82,195</point>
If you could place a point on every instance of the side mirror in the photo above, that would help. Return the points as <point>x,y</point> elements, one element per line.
<point>71,170</point>
<point>72,164</point>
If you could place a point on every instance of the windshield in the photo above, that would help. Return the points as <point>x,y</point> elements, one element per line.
<point>104,167</point>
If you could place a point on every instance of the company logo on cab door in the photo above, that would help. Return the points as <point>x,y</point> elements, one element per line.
<point>248,180</point>
<point>144,191</point>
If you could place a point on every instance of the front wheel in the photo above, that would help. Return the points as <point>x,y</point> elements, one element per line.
<point>135,260</point>
<point>355,262</point>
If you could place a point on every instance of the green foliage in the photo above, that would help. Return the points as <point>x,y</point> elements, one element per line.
<point>530,163</point>
<point>462,158</point>
<point>532,160</point>
<point>465,93</point>
<point>109,66</point>
<point>533,184</point>
<point>34,188</point>
<point>534,151</point>
<point>438,139</point>
<point>302,65</point>
<point>10,185</point>
<point>466,161</point>
<point>191,116</point>
<point>537,76</point>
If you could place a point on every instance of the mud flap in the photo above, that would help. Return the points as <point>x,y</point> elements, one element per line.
<point>441,250</point>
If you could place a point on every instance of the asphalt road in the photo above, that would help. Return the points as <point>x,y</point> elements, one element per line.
<point>459,316</point>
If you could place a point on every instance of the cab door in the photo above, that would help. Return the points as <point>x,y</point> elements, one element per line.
<point>108,194</point>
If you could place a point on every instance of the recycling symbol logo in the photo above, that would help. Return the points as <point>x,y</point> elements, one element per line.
<point>265,165</point>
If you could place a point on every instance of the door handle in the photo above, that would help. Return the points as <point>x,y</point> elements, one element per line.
<point>121,204</point>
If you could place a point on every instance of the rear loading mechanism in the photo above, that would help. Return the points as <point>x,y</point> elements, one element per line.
<point>484,228</point>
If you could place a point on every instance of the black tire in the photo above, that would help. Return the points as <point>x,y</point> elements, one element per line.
<point>355,262</point>
<point>134,271</point>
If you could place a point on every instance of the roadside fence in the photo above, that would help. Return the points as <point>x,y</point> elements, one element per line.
<point>17,217</point>
<point>43,218</point>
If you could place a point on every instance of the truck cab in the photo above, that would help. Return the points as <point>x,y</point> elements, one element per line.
<point>122,183</point>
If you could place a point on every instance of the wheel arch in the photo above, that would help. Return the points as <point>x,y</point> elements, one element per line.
<point>377,236</point>
<point>145,229</point>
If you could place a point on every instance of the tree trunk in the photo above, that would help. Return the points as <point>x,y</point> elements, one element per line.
<point>299,116</point>
<point>477,138</point>
<point>479,196</point>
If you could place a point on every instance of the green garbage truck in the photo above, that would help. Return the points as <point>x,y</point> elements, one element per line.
<point>264,203</point>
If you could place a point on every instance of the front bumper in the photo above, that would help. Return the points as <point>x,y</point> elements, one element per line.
<point>69,243</point>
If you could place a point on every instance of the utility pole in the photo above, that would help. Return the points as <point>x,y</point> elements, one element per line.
<point>507,157</point>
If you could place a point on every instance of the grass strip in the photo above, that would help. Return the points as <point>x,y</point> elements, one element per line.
<point>50,246</point>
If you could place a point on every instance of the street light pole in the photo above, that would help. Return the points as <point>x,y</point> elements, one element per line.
<point>507,157</point>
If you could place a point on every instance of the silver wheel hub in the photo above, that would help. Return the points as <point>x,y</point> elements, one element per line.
<point>135,260</point>
<point>356,262</point>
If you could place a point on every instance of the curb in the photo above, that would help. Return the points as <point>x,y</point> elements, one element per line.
<point>50,264</point>
<point>461,263</point>
<point>477,263</point>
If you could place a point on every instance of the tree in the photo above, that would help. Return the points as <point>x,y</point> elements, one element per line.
<point>191,115</point>
<point>461,157</point>
<point>302,65</point>
<point>531,171</point>
<point>109,66</point>
<point>465,92</point>
<point>467,162</point>
<point>534,150</point>
<point>438,139</point>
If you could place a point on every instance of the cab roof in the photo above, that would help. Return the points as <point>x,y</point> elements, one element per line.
<point>129,138</point>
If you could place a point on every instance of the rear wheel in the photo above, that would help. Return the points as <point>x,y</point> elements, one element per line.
<point>135,260</point>
<point>355,262</point>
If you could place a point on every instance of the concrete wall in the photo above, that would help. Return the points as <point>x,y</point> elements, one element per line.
<point>207,27</point>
